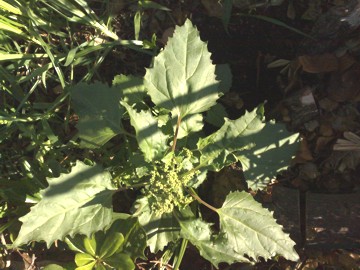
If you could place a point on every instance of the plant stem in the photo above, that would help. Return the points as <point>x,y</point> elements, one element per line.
<point>196,197</point>
<point>131,187</point>
<point>176,134</point>
<point>181,253</point>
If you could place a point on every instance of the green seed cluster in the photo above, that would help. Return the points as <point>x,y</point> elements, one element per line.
<point>167,184</point>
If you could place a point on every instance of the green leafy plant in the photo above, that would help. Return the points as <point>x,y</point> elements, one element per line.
<point>116,249</point>
<point>166,156</point>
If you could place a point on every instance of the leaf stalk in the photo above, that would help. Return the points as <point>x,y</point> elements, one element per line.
<point>193,194</point>
<point>176,134</point>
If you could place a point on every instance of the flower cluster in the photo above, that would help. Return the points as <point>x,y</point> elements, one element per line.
<point>167,183</point>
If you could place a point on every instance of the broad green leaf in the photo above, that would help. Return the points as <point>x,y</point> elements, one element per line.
<point>190,124</point>
<point>125,235</point>
<point>273,151</point>
<point>160,230</point>
<point>132,88</point>
<point>134,234</point>
<point>89,266</point>
<point>53,267</point>
<point>111,244</point>
<point>182,79</point>
<point>251,229</point>
<point>90,245</point>
<point>235,135</point>
<point>76,203</point>
<point>151,140</point>
<point>216,115</point>
<point>120,261</point>
<point>99,111</point>
<point>215,249</point>
<point>83,259</point>
<point>75,244</point>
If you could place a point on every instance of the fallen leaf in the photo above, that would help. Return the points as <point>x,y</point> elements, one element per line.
<point>326,130</point>
<point>304,154</point>
<point>322,143</point>
<point>328,104</point>
<point>346,86</point>
<point>326,62</point>
<point>346,61</point>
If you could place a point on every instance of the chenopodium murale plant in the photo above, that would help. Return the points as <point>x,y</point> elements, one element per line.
<point>168,181</point>
<point>185,83</point>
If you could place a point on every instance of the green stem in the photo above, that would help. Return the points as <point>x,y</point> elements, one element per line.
<point>176,134</point>
<point>131,187</point>
<point>181,253</point>
<point>196,197</point>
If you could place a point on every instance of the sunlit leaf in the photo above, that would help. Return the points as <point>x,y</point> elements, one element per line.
<point>151,140</point>
<point>234,135</point>
<point>216,115</point>
<point>273,150</point>
<point>132,88</point>
<point>182,79</point>
<point>99,111</point>
<point>160,230</point>
<point>83,259</point>
<point>76,203</point>
<point>111,244</point>
<point>120,261</point>
<point>215,249</point>
<point>251,229</point>
<point>191,123</point>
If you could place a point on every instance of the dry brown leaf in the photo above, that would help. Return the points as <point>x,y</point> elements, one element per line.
<point>304,154</point>
<point>345,62</point>
<point>348,260</point>
<point>346,86</point>
<point>328,104</point>
<point>326,130</point>
<point>326,62</point>
<point>322,143</point>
